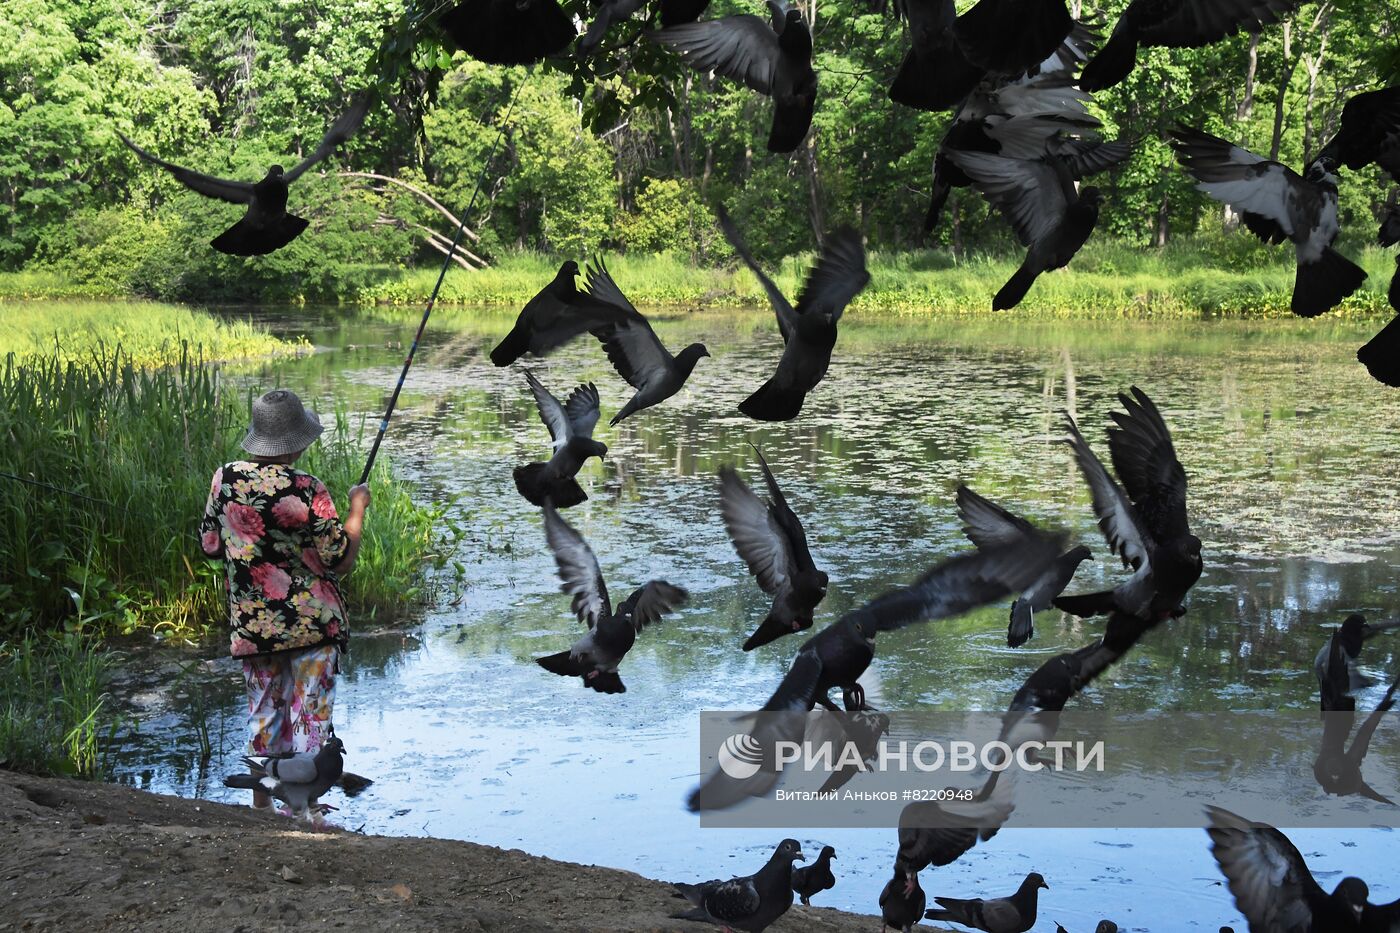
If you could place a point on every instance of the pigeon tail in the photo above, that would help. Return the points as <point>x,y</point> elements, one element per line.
<point>773,403</point>
<point>790,125</point>
<point>509,33</point>
<point>1086,604</point>
<point>537,488</point>
<point>941,190</point>
<point>1381,354</point>
<point>244,782</point>
<point>678,12</point>
<point>935,82</point>
<point>1022,625</point>
<point>515,344</point>
<point>247,238</point>
<point>1389,233</point>
<point>1016,287</point>
<point>771,629</point>
<point>1321,286</point>
<point>698,914</point>
<point>1112,65</point>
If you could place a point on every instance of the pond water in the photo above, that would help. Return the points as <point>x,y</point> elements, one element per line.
<point>1291,452</point>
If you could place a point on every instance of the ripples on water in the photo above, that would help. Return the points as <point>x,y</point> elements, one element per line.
<point>1289,447</point>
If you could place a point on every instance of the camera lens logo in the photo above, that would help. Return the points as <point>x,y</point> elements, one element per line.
<point>740,757</point>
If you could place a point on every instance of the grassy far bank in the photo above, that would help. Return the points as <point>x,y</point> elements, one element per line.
<point>1192,277</point>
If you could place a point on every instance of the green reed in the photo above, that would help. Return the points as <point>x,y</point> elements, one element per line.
<point>54,703</point>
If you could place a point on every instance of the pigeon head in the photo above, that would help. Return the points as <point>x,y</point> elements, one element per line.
<point>1106,926</point>
<point>791,850</point>
<point>827,854</point>
<point>334,745</point>
<point>586,447</point>
<point>1035,881</point>
<point>1323,171</point>
<point>569,269</point>
<point>1091,196</point>
<point>1188,547</point>
<point>275,171</point>
<point>1079,554</point>
<point>1352,893</point>
<point>687,358</point>
<point>1353,632</point>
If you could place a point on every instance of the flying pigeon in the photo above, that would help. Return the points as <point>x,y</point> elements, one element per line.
<point>1014,914</point>
<point>1274,889</point>
<point>902,902</point>
<point>1038,197</point>
<point>773,58</point>
<point>595,657</point>
<point>558,314</point>
<point>634,349</point>
<point>265,226</point>
<point>815,878</point>
<point>939,832</point>
<point>609,13</point>
<point>1010,36</point>
<point>1381,354</point>
<point>677,12</point>
<point>1178,24</point>
<point>987,524</point>
<point>1337,664</point>
<point>770,539</point>
<point>809,330</point>
<point>935,74</point>
<point>571,428</point>
<point>1144,521</point>
<point>750,903</point>
<point>509,32</point>
<point>1338,768</point>
<point>298,780</point>
<point>1277,204</point>
<point>839,654</point>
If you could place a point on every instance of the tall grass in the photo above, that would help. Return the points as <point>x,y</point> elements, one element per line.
<point>150,334</point>
<point>53,699</point>
<point>142,444</point>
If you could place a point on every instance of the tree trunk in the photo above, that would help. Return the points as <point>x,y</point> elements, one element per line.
<point>1245,110</point>
<point>1290,62</point>
<point>1322,26</point>
<point>1163,231</point>
<point>814,191</point>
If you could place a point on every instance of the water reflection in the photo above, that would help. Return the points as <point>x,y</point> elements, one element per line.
<point>1289,449</point>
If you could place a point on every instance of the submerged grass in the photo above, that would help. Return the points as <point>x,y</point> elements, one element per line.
<point>53,698</point>
<point>149,333</point>
<point>142,445</point>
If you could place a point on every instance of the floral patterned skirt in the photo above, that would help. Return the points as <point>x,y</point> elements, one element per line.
<point>290,698</point>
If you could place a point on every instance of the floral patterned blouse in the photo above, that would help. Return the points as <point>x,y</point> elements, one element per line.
<point>276,529</point>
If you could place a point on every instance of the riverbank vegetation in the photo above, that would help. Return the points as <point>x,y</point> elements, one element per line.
<point>53,703</point>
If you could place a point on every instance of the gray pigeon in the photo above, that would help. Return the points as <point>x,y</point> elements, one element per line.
<point>298,780</point>
<point>750,903</point>
<point>1014,914</point>
<point>634,349</point>
<point>988,525</point>
<point>571,428</point>
<point>595,657</point>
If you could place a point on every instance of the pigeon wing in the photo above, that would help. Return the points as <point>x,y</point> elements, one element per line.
<point>234,192</point>
<point>635,351</point>
<point>298,769</point>
<point>837,277</point>
<point>787,317</point>
<point>794,535</point>
<point>1086,157</point>
<point>341,130</point>
<point>578,568</point>
<point>582,410</point>
<point>1203,22</point>
<point>1266,873</point>
<point>551,412</point>
<point>744,48</point>
<point>1117,519</point>
<point>1146,464</point>
<point>732,900</point>
<point>598,283</point>
<point>650,602</point>
<point>757,537</point>
<point>1247,182</point>
<point>987,524</point>
<point>1028,193</point>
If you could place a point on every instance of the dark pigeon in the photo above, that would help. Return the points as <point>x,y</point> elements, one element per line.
<point>595,657</point>
<point>1177,24</point>
<point>1144,521</point>
<point>1381,354</point>
<point>571,429</point>
<point>1014,914</point>
<point>1370,134</point>
<point>297,780</point>
<point>610,12</point>
<point>902,902</point>
<point>750,903</point>
<point>1278,205</point>
<point>1337,768</point>
<point>1038,197</point>
<point>678,12</point>
<point>859,727</point>
<point>265,226</point>
<point>839,654</point>
<point>771,540</point>
<point>1010,36</point>
<point>935,74</point>
<point>937,833</point>
<point>1273,887</point>
<point>815,878</point>
<point>1105,926</point>
<point>987,524</point>
<point>634,349</point>
<point>809,330</point>
<point>773,58</point>
<point>509,32</point>
<point>558,314</point>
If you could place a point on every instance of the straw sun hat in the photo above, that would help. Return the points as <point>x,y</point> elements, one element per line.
<point>281,425</point>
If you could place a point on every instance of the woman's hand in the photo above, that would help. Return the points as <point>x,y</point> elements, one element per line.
<point>359,497</point>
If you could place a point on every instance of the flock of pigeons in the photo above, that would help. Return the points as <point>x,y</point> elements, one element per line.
<point>1023,136</point>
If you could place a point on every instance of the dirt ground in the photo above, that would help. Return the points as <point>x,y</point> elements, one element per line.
<point>97,857</point>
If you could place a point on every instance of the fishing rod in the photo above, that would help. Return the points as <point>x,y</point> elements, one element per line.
<point>432,298</point>
<point>67,492</point>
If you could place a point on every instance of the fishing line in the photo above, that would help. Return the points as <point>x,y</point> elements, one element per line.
<point>66,492</point>
<point>432,299</point>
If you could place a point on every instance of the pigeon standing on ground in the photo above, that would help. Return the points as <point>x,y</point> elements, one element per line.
<point>815,878</point>
<point>902,902</point>
<point>558,314</point>
<point>1146,525</point>
<point>609,13</point>
<point>1177,24</point>
<point>1274,889</point>
<point>749,903</point>
<point>809,330</point>
<point>595,657</point>
<point>1278,204</point>
<point>634,349</point>
<point>509,32</point>
<point>571,428</point>
<point>1014,914</point>
<point>298,780</point>
<point>771,540</point>
<point>1105,926</point>
<point>265,226</point>
<point>987,524</point>
<point>773,58</point>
